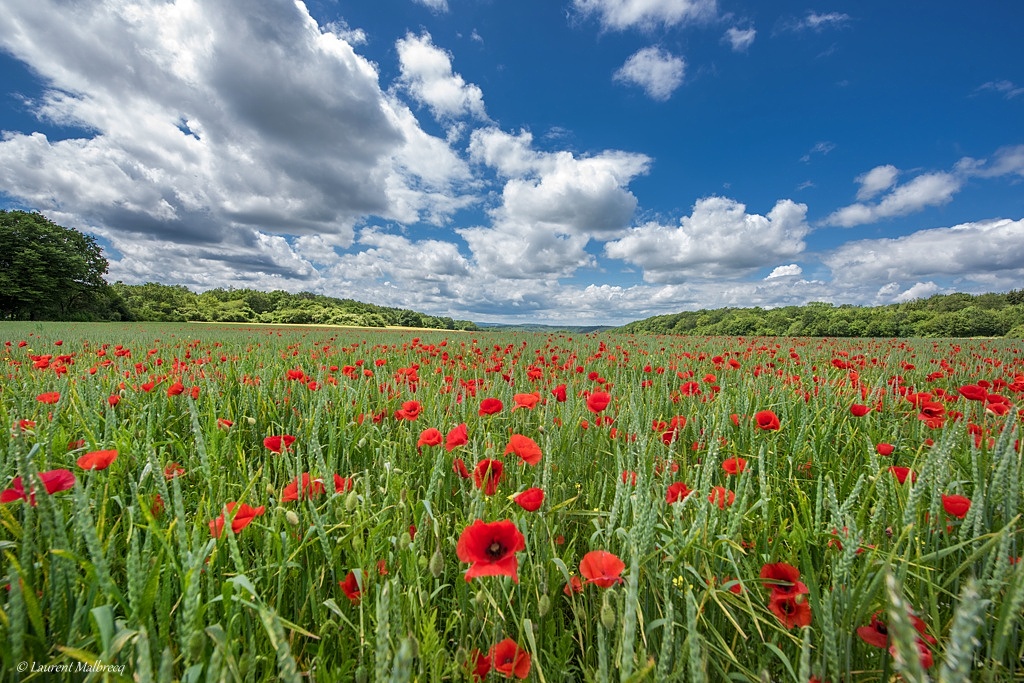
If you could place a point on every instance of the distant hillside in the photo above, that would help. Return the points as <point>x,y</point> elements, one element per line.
<point>943,315</point>
<point>166,303</point>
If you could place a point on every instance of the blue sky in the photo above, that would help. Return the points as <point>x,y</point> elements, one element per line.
<point>560,161</point>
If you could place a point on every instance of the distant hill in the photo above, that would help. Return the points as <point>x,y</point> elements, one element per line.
<point>175,303</point>
<point>942,315</point>
<point>530,327</point>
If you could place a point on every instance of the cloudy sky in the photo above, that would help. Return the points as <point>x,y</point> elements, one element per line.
<point>561,161</point>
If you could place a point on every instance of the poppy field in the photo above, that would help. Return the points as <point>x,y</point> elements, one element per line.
<point>208,503</point>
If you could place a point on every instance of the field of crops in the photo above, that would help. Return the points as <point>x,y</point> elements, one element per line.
<point>205,503</point>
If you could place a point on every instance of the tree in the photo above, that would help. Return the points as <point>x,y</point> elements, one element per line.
<point>47,271</point>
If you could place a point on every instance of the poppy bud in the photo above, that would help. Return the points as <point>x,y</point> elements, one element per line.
<point>292,518</point>
<point>195,645</point>
<point>437,564</point>
<point>251,420</point>
<point>351,501</point>
<point>361,675</point>
<point>271,490</point>
<point>607,613</point>
<point>405,540</point>
<point>543,605</point>
<point>357,543</point>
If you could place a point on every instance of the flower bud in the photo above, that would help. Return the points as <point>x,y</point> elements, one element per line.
<point>607,613</point>
<point>292,518</point>
<point>351,501</point>
<point>543,605</point>
<point>437,564</point>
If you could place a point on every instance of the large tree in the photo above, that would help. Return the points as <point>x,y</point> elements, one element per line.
<point>47,271</point>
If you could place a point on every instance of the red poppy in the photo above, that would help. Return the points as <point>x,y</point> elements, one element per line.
<point>480,663</point>
<point>598,401</point>
<point>602,568</point>
<point>490,406</point>
<point>97,460</point>
<point>527,401</point>
<point>491,549</point>
<point>925,654</point>
<point>791,610</point>
<point>559,393</point>
<point>677,492</point>
<point>530,499</point>
<point>901,474</point>
<point>53,481</point>
<point>351,587</point>
<point>875,634</point>
<point>456,437</point>
<point>782,578</point>
<point>767,420</point>
<point>310,488</point>
<point>508,659</point>
<point>722,497</point>
<point>342,484</point>
<point>243,515</point>
<point>629,477</point>
<point>175,389</point>
<point>410,410</point>
<point>430,437</point>
<point>49,397</point>
<point>734,465</point>
<point>574,586</point>
<point>113,400</point>
<point>277,444</point>
<point>885,449</point>
<point>973,392</point>
<point>459,467</point>
<point>487,474</point>
<point>956,506</point>
<point>525,447</point>
<point>859,410</point>
<point>173,470</point>
<point>224,423</point>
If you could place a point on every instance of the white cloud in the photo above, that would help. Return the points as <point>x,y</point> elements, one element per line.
<point>919,290</point>
<point>1008,89</point>
<point>655,70</point>
<point>740,38</point>
<point>623,14</point>
<point>877,180</point>
<point>981,250</point>
<point>719,238</point>
<point>822,148</point>
<point>427,75</point>
<point>435,5</point>
<point>785,271</point>
<point>929,189</point>
<point>818,22</point>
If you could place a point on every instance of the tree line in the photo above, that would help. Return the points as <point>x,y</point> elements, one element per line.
<point>941,315</point>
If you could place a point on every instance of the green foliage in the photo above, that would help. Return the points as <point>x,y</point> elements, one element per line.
<point>48,272</point>
<point>942,315</point>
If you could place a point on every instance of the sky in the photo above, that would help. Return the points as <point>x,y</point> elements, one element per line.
<point>575,162</point>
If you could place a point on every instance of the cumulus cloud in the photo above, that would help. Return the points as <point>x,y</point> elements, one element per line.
<point>740,38</point>
<point>791,270</point>
<point>719,238</point>
<point>426,72</point>
<point>984,250</point>
<point>435,5</point>
<point>877,180</point>
<point>657,71</point>
<point>818,21</point>
<point>929,189</point>
<point>622,14</point>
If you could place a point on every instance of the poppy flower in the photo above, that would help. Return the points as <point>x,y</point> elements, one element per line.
<point>782,578</point>
<point>173,470</point>
<point>430,437</point>
<point>459,467</point>
<point>859,410</point>
<point>175,389</point>
<point>602,568</point>
<point>487,474</point>
<point>734,465</point>
<point>490,548</point>
<point>574,586</point>
<point>956,506</point>
<point>973,392</point>
<point>342,484</point>
<point>351,587</point>
<point>243,515</point>
<point>224,423</point>
<point>525,447</point>
<point>49,397</point>
<point>97,460</point>
<point>598,401</point>
<point>410,410</point>
<point>527,401</point>
<point>113,400</point>
<point>792,610</point>
<point>490,406</point>
<point>530,499</point>
<point>559,393</point>
<point>677,492</point>
<point>901,474</point>
<point>885,449</point>
<point>875,634</point>
<point>480,663</point>
<point>456,437</point>
<point>767,420</point>
<point>310,488</point>
<point>277,444</point>
<point>53,481</point>
<point>722,497</point>
<point>508,659</point>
